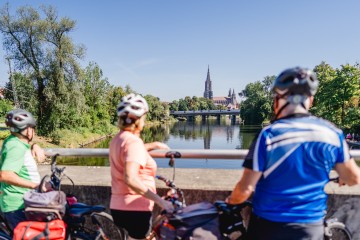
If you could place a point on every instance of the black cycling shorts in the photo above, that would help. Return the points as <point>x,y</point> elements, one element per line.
<point>136,223</point>
<point>262,229</point>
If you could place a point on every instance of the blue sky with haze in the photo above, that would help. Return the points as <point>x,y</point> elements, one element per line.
<point>164,47</point>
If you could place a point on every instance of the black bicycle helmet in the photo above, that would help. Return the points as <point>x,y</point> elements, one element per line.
<point>296,81</point>
<point>19,119</point>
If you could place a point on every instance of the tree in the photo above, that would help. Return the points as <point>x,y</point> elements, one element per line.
<point>157,111</point>
<point>39,46</point>
<point>322,105</point>
<point>114,96</point>
<point>338,95</point>
<point>257,107</point>
<point>346,88</point>
<point>5,107</point>
<point>95,90</point>
<point>174,105</point>
<point>25,92</point>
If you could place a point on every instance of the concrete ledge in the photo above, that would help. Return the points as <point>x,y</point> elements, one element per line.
<point>196,179</point>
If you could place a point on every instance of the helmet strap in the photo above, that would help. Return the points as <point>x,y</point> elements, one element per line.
<point>25,136</point>
<point>281,109</point>
<point>128,120</point>
<point>293,99</point>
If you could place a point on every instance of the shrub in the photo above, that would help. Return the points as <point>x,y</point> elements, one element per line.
<point>4,134</point>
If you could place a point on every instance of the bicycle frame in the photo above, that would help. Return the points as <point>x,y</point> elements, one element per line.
<point>75,222</point>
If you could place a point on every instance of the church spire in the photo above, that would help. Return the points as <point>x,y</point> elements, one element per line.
<point>208,75</point>
<point>208,93</point>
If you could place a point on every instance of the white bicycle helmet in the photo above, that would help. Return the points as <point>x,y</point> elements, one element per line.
<point>132,106</point>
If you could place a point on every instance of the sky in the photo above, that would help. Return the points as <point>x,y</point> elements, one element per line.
<point>164,47</point>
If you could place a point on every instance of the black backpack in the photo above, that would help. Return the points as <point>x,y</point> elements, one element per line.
<point>199,221</point>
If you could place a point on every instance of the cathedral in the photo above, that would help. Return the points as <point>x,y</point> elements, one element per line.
<point>228,101</point>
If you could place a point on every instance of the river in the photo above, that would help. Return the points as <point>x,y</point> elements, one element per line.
<point>188,135</point>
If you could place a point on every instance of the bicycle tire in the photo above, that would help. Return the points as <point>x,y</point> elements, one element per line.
<point>105,222</point>
<point>338,231</point>
<point>4,236</point>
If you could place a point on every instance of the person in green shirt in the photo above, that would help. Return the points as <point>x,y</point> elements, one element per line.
<point>18,169</point>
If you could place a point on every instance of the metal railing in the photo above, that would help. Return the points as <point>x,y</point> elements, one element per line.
<point>177,153</point>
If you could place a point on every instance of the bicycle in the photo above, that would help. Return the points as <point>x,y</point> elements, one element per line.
<point>5,232</point>
<point>83,221</point>
<point>234,227</point>
<point>174,195</point>
<point>234,218</point>
<point>230,217</point>
<point>86,222</point>
<point>335,230</point>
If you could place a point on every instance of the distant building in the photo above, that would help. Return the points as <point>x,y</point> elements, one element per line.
<point>208,93</point>
<point>228,101</point>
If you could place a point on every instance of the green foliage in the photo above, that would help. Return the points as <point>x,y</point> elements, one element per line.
<point>174,105</point>
<point>4,134</point>
<point>194,103</point>
<point>5,107</point>
<point>257,107</point>
<point>114,96</point>
<point>49,82</point>
<point>157,110</point>
<point>55,137</point>
<point>38,44</point>
<point>337,99</point>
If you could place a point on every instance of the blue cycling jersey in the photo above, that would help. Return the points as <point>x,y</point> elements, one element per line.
<point>295,156</point>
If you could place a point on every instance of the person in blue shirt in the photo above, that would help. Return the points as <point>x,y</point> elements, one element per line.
<point>288,165</point>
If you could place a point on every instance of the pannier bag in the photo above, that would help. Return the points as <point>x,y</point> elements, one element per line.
<point>32,230</point>
<point>199,221</point>
<point>44,206</point>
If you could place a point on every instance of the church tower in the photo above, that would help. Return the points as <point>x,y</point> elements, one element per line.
<point>208,93</point>
<point>233,98</point>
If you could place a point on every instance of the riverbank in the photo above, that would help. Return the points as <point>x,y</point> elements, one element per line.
<point>74,138</point>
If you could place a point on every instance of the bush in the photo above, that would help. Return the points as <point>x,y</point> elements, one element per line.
<point>55,137</point>
<point>5,107</point>
<point>4,134</point>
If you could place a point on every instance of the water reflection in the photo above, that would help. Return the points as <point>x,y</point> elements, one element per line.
<point>215,135</point>
<point>188,135</point>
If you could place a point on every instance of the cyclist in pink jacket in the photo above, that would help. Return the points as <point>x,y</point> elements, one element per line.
<point>133,171</point>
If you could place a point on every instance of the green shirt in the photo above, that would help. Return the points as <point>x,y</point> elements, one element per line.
<point>16,156</point>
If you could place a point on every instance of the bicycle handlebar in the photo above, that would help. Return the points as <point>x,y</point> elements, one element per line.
<point>336,179</point>
<point>233,209</point>
<point>56,176</point>
<point>176,194</point>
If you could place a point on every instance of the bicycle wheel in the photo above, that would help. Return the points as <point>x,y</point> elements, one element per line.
<point>104,222</point>
<point>4,236</point>
<point>337,231</point>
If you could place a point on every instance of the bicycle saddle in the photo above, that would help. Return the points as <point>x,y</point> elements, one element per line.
<point>80,209</point>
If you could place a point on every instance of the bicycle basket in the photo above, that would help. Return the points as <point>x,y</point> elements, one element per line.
<point>198,221</point>
<point>44,206</point>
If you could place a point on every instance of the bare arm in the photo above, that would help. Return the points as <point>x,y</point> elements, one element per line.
<point>245,187</point>
<point>134,182</point>
<point>155,145</point>
<point>38,152</point>
<point>349,172</point>
<point>12,178</point>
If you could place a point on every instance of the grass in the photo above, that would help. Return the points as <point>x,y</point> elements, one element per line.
<point>74,138</point>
